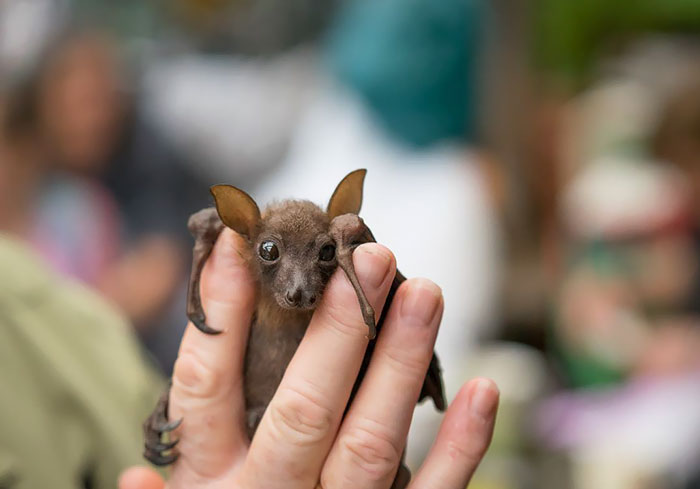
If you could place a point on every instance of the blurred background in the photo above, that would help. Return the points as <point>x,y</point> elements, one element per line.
<point>539,159</point>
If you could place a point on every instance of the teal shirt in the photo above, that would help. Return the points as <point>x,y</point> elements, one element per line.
<point>414,63</point>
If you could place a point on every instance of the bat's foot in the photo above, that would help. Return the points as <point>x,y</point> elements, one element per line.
<point>199,320</point>
<point>349,231</point>
<point>160,452</point>
<point>205,227</point>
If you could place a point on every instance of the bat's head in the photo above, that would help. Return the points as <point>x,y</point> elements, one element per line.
<point>294,255</point>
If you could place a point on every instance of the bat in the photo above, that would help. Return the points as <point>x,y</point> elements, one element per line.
<point>296,248</point>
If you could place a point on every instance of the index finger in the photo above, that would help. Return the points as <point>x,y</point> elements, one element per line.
<point>302,419</point>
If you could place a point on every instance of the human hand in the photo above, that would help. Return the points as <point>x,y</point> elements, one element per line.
<point>303,441</point>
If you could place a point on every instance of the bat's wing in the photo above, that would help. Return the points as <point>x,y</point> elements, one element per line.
<point>205,227</point>
<point>432,385</point>
<point>349,231</point>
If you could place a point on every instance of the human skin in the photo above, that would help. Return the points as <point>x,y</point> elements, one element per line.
<point>303,440</point>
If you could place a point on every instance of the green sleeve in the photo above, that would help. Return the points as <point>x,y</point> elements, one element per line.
<point>74,382</point>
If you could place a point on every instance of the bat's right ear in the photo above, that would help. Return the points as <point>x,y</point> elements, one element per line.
<point>347,198</point>
<point>236,209</point>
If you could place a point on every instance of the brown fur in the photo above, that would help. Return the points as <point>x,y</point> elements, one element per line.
<point>299,229</point>
<point>274,337</point>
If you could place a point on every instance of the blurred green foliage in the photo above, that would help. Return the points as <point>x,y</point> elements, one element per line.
<point>571,34</point>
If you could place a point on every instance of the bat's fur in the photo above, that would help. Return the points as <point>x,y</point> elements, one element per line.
<point>290,287</point>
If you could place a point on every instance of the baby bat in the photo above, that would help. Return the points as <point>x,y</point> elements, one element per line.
<point>296,248</point>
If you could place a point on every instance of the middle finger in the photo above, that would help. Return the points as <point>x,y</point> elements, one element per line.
<point>371,440</point>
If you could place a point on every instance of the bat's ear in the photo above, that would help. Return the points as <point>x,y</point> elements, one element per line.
<point>236,209</point>
<point>347,198</point>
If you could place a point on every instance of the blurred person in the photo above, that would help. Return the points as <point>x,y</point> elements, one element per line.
<point>233,98</point>
<point>75,384</point>
<point>70,221</point>
<point>112,186</point>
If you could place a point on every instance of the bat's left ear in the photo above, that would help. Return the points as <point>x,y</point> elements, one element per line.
<point>347,198</point>
<point>237,209</point>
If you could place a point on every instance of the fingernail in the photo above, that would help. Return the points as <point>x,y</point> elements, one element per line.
<point>373,266</point>
<point>484,399</point>
<point>421,301</point>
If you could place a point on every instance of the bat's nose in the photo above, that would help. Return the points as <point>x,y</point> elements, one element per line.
<point>298,298</point>
<point>294,297</point>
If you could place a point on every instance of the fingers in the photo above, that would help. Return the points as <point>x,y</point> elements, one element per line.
<point>141,478</point>
<point>302,419</point>
<point>463,438</point>
<point>207,380</point>
<point>368,448</point>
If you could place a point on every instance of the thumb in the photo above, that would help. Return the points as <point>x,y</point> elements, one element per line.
<point>207,383</point>
<point>141,478</point>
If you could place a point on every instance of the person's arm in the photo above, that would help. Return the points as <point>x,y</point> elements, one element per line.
<point>303,440</point>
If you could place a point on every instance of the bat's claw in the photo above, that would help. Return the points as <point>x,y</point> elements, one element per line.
<point>168,426</point>
<point>160,460</point>
<point>372,333</point>
<point>163,446</point>
<point>158,451</point>
<point>368,316</point>
<point>199,321</point>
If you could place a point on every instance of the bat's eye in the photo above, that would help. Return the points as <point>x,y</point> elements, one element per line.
<point>268,251</point>
<point>327,253</point>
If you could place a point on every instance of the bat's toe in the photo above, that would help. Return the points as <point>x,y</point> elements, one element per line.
<point>158,459</point>
<point>158,451</point>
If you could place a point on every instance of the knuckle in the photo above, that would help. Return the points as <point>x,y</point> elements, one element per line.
<point>195,377</point>
<point>300,416</point>
<point>468,453</point>
<point>406,361</point>
<point>344,322</point>
<point>372,451</point>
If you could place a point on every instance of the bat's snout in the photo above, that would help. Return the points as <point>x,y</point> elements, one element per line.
<point>298,298</point>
